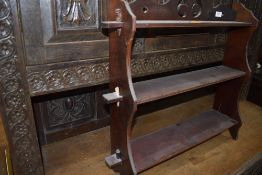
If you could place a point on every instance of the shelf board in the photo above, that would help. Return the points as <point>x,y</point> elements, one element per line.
<point>155,89</point>
<point>154,148</point>
<point>176,23</point>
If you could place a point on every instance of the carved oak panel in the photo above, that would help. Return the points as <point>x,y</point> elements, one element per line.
<point>81,14</point>
<point>69,110</point>
<point>88,74</point>
<point>61,116</point>
<point>14,99</point>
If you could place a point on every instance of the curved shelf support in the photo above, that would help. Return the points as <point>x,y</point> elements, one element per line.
<point>124,103</point>
<point>228,94</point>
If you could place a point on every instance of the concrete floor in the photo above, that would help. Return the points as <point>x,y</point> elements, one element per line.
<point>84,154</point>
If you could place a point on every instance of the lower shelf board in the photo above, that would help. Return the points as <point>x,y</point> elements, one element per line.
<point>154,148</point>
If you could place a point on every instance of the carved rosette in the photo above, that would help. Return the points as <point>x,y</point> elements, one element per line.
<point>95,74</point>
<point>13,100</point>
<point>69,77</point>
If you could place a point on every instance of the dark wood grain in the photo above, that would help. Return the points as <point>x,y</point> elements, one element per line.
<point>228,94</point>
<point>42,36</point>
<point>151,149</point>
<point>174,24</point>
<point>120,76</point>
<point>155,89</point>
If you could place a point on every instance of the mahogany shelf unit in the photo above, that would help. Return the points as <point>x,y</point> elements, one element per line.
<point>129,155</point>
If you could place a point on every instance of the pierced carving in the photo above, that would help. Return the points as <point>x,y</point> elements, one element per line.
<point>77,13</point>
<point>94,74</point>
<point>25,154</point>
<point>185,7</point>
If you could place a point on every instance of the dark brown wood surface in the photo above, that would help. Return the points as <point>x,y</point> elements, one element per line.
<point>48,59</point>
<point>156,147</point>
<point>228,94</point>
<point>180,23</point>
<point>155,89</point>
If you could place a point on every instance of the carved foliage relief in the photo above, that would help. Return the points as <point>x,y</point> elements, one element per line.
<point>13,98</point>
<point>70,109</point>
<point>77,13</point>
<point>94,74</point>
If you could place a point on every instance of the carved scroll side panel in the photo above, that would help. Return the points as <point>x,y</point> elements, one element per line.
<point>80,14</point>
<point>14,101</point>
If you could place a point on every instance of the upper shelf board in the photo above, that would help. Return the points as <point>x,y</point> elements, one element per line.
<point>176,23</point>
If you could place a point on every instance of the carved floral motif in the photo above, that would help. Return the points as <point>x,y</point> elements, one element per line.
<point>4,10</point>
<point>70,109</point>
<point>13,98</point>
<point>77,13</point>
<point>94,74</point>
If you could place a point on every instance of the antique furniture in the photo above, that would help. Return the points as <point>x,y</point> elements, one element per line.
<point>54,67</point>
<point>134,155</point>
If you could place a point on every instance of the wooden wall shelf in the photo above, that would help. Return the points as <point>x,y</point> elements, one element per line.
<point>129,156</point>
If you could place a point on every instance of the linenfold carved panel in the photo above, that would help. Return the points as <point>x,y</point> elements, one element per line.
<point>14,99</point>
<point>94,74</point>
<point>77,13</point>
